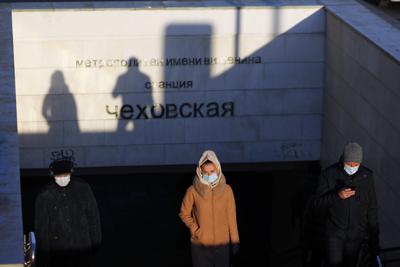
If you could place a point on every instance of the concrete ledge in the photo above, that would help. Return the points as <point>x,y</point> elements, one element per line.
<point>381,33</point>
<point>154,5</point>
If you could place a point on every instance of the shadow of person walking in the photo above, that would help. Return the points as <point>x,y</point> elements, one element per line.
<point>130,87</point>
<point>59,106</point>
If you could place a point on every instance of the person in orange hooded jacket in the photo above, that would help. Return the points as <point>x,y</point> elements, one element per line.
<point>208,209</point>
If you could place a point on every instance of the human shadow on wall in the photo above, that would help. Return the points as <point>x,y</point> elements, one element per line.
<point>59,106</point>
<point>131,87</point>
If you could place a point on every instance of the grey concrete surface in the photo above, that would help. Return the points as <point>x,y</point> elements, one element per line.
<point>390,12</point>
<point>361,102</point>
<point>11,233</point>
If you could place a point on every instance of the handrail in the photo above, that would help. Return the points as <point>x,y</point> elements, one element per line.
<point>387,259</point>
<point>32,239</point>
<point>30,249</point>
<point>390,249</point>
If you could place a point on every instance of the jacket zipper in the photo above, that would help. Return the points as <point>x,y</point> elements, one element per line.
<point>213,219</point>
<point>349,207</point>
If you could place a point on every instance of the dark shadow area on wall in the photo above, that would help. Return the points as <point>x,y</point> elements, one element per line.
<point>141,227</point>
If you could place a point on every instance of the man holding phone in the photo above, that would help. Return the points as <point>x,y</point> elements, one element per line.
<point>346,192</point>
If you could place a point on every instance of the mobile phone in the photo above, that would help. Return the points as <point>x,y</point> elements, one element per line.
<point>353,187</point>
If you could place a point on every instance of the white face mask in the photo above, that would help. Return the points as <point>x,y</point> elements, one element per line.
<point>63,180</point>
<point>351,170</point>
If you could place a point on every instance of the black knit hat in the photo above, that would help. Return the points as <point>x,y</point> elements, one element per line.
<point>61,166</point>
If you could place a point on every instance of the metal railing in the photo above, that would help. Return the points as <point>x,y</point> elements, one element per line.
<point>30,249</point>
<point>390,256</point>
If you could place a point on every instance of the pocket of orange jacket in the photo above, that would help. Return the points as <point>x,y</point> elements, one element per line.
<point>196,234</point>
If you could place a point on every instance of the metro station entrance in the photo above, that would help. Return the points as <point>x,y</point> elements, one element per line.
<point>141,227</point>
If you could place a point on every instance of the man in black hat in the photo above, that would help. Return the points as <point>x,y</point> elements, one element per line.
<point>346,192</point>
<point>67,222</point>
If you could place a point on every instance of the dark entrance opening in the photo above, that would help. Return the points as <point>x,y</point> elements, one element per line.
<point>139,212</point>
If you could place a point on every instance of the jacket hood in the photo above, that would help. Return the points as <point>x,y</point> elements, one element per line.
<point>202,186</point>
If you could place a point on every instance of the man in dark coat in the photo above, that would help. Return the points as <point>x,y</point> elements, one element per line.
<point>67,222</point>
<point>346,192</point>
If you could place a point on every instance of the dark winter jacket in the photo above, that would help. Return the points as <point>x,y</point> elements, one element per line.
<point>67,219</point>
<point>357,216</point>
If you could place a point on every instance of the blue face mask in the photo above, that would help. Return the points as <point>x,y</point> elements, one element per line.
<point>210,178</point>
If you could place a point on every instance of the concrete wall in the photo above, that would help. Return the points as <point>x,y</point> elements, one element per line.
<point>11,236</point>
<point>362,102</point>
<point>63,89</point>
<point>71,65</point>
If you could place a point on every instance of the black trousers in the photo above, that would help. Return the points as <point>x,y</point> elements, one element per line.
<point>75,260</point>
<point>342,252</point>
<point>213,256</point>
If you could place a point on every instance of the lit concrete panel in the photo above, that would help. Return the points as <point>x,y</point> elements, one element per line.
<point>41,134</point>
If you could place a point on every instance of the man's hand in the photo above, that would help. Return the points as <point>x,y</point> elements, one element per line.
<point>346,193</point>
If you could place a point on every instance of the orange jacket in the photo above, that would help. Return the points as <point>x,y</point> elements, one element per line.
<point>209,211</point>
